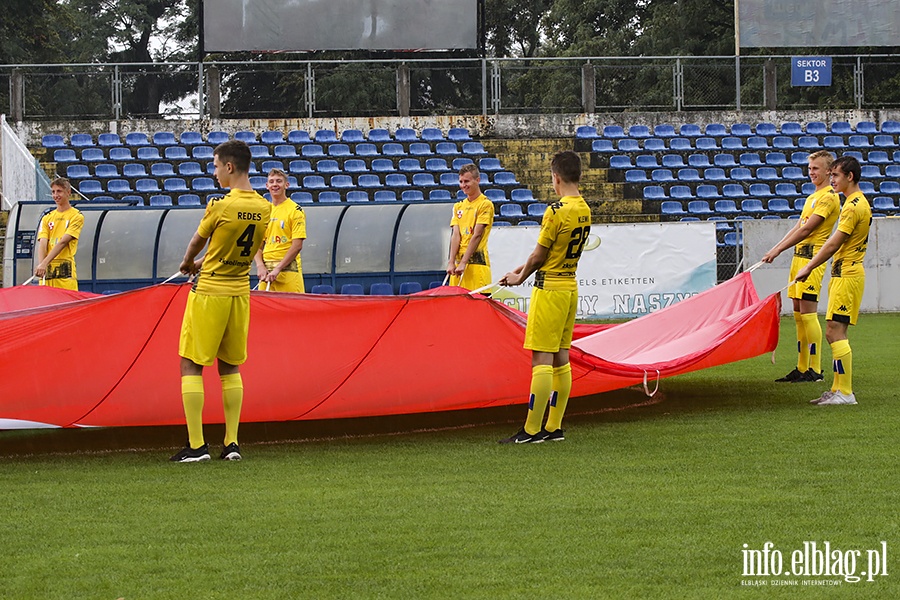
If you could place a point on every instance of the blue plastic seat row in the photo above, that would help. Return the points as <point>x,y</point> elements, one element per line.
<point>740,130</point>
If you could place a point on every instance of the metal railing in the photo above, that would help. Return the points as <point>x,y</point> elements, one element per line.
<point>326,88</point>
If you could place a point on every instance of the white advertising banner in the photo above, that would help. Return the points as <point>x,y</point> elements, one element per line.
<point>626,270</point>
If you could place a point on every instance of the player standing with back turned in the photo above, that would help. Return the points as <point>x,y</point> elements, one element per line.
<point>554,301</point>
<point>217,314</point>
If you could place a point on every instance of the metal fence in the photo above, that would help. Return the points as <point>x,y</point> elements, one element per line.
<point>291,88</point>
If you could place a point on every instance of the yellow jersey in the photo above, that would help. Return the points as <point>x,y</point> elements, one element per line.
<point>235,226</point>
<point>54,225</point>
<point>466,215</point>
<point>827,204</point>
<point>856,218</point>
<point>286,223</point>
<point>565,229</point>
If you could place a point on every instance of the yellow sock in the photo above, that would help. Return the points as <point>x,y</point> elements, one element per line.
<point>562,387</point>
<point>843,366</point>
<point>192,398</point>
<point>232,399</point>
<point>813,340</point>
<point>802,343</point>
<point>541,386</point>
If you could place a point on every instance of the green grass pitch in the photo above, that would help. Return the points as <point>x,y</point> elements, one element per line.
<point>650,501</point>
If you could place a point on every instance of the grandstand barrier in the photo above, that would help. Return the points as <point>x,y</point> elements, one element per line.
<point>123,247</point>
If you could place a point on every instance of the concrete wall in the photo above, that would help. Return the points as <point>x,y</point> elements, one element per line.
<point>492,126</point>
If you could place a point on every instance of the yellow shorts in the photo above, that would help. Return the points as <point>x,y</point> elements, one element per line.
<point>68,283</point>
<point>475,277</point>
<point>215,327</point>
<point>551,320</point>
<point>844,299</point>
<point>287,281</point>
<point>809,289</point>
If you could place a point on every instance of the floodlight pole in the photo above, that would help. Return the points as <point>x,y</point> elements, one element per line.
<point>737,54</point>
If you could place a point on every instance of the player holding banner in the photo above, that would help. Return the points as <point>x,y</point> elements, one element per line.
<point>278,261</point>
<point>469,266</point>
<point>565,228</point>
<point>217,314</point>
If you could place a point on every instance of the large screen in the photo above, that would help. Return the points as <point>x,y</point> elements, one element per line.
<point>300,25</point>
<point>818,24</point>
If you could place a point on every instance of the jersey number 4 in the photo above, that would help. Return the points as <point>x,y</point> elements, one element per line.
<point>577,240</point>
<point>246,240</point>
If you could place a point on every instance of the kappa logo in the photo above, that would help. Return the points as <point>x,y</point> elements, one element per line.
<point>842,308</point>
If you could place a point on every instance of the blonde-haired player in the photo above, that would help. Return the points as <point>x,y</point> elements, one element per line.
<point>469,265</point>
<point>817,219</point>
<point>58,240</point>
<point>554,301</point>
<point>848,245</point>
<point>217,315</point>
<point>278,261</point>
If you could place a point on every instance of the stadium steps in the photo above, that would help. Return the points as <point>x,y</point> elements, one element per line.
<point>529,159</point>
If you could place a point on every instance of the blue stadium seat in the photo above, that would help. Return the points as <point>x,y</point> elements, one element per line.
<point>137,138</point>
<point>866,128</point>
<point>355,166</point>
<point>439,195</point>
<point>699,207</point>
<point>689,130</point>
<point>437,165</point>
<point>733,190</point>
<point>750,159</point>
<point>791,128</point>
<point>664,130</point>
<point>432,134</point>
<point>636,176</point>
<point>379,135</point>
<point>175,185</point>
<point>458,134</point>
<point>785,189</point>
<point>794,173</point>
<point>322,288</point>
<point>109,140</point>
<point>93,155</point>
<point>732,143</point>
<point>248,137</point>
<point>393,149</point>
<point>396,180</point>
<point>646,161</point>
<point>473,149</point>
<point>268,165</point>
<point>162,169</point>
<point>859,141</point>
<point>78,172</point>
<point>767,174</point>
<point>602,145</point>
<point>147,153</point>
<point>757,143</point>
<point>511,211</point>
<point>817,128</point>
<point>671,208</point>
<point>285,151</point>
<point>639,131</point>
<point>833,142</point>
<point>586,132</point>
<point>405,134</point>
<point>662,175</point>
<point>369,181</point>
<point>760,190</point>
<point>809,142</point>
<point>766,130</point>
<point>134,170</point>
<point>680,144</point>
<point>495,195</point>
<point>190,169</point>
<point>879,157</point>
<point>892,171</point>
<point>807,188</point>
<point>412,196</point>
<point>883,203</point>
<point>779,205</point>
<point>258,151</point>
<point>536,209</point>
<point>613,132</point>
<point>689,175</point>
<point>314,182</point>
<point>299,167</point>
<point>366,150</point>
<point>714,174</point>
<point>618,161</point>
<point>81,140</point>
<point>160,200</point>
<point>654,192</point>
<point>724,160</point>
<point>329,197</point>
<point>201,153</point>
<point>339,150</point>
<point>410,287</point>
<point>699,161</point>
<point>118,186</point>
<point>89,187</point>
<point>752,206</point>
<point>271,138</point>
<point>302,197</point>
<point>381,289</point>
<point>328,166</point>
<point>741,130</point>
<point>628,145</point>
<point>733,238</point>
<point>176,153</point>
<point>164,138</point>
<point>681,192</point>
<point>672,161</point>
<point>383,165</point>
<point>409,165</point>
<point>385,196</point>
<point>352,136</point>
<point>423,180</point>
<point>654,144</point>
<point>258,182</point>
<point>841,128</point>
<point>325,136</point>
<point>106,171</point>
<point>190,138</point>
<point>726,207</point>
<point>883,140</point>
<point>708,192</point>
<point>444,149</point>
<point>886,187</point>
<point>890,127</point>
<point>505,178</point>
<point>343,182</point>
<point>741,174</point>
<point>521,195</point>
<point>298,137</point>
<point>783,142</point>
<point>715,130</point>
<point>706,143</point>
<point>528,223</point>
<point>357,196</point>
<point>312,151</point>
<point>189,200</point>
<point>775,159</point>
<point>489,164</point>
<point>53,141</point>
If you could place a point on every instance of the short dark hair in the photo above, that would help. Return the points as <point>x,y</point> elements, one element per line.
<point>567,165</point>
<point>470,168</point>
<point>848,166</point>
<point>235,152</point>
<point>61,182</point>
